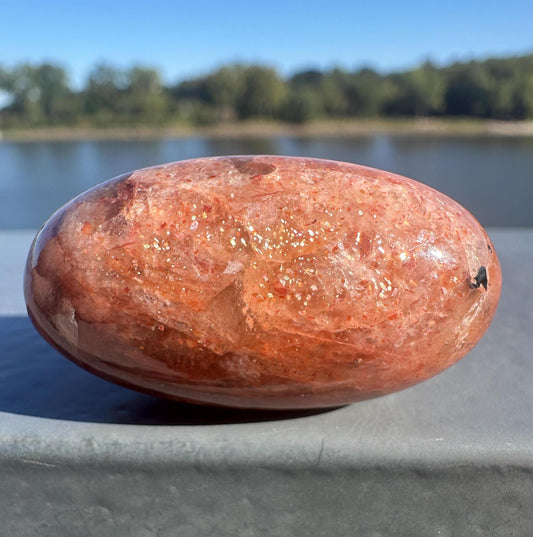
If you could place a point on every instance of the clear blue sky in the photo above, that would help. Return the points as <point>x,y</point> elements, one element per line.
<point>188,38</point>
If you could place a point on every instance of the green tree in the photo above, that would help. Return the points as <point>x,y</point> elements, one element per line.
<point>58,103</point>
<point>301,106</point>
<point>103,91</point>
<point>143,98</point>
<point>224,90</point>
<point>468,91</point>
<point>51,83</point>
<point>263,95</point>
<point>523,98</point>
<point>418,93</point>
<point>5,79</point>
<point>39,94</point>
<point>332,89</point>
<point>427,87</point>
<point>366,93</point>
<point>527,97</point>
<point>24,94</point>
<point>304,100</point>
<point>190,100</point>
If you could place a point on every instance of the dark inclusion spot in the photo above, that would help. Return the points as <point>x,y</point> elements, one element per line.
<point>490,249</point>
<point>480,279</point>
<point>119,195</point>
<point>251,166</point>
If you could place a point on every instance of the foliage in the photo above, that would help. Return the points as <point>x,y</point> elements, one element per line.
<point>41,94</point>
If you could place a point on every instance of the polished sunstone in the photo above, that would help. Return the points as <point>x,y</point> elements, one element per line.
<point>268,282</point>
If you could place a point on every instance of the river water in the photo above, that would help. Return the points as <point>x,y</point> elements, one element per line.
<point>491,176</point>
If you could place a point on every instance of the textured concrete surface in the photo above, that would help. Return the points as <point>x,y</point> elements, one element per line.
<point>449,457</point>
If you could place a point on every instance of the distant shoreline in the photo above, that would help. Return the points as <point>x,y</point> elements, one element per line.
<point>260,129</point>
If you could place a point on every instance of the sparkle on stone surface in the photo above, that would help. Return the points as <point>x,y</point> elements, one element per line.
<point>249,281</point>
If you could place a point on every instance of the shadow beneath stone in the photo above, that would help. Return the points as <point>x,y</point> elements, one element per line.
<point>36,380</point>
<point>164,412</point>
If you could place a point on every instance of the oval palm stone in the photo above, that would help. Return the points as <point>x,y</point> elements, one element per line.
<point>267,282</point>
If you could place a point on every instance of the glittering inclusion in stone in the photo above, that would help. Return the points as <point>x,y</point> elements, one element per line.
<point>268,282</point>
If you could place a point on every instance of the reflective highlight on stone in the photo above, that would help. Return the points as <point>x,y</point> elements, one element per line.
<point>267,282</point>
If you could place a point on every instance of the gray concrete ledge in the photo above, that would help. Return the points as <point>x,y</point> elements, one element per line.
<point>449,457</point>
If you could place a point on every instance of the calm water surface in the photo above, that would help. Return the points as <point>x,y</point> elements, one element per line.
<point>492,177</point>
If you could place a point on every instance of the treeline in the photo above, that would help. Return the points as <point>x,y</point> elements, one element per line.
<point>42,94</point>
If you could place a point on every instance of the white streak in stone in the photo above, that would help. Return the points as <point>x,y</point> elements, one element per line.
<point>232,267</point>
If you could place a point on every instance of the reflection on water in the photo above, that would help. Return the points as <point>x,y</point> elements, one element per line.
<point>492,177</point>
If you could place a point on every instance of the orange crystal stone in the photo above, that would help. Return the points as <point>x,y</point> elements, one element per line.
<point>266,282</point>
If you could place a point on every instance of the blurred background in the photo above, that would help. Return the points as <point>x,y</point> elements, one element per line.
<point>440,93</point>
